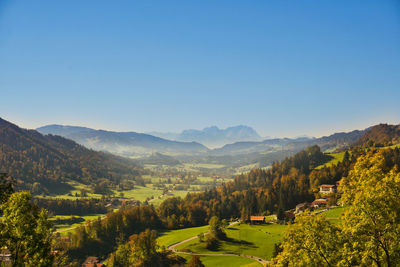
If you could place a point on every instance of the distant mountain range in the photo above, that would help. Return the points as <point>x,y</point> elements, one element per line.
<point>213,136</point>
<point>130,144</point>
<point>327,143</point>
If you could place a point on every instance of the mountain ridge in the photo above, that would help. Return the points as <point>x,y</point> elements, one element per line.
<point>123,143</point>
<point>382,134</point>
<point>213,136</point>
<point>32,157</point>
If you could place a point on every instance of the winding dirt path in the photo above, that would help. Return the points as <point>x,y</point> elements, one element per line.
<point>173,249</point>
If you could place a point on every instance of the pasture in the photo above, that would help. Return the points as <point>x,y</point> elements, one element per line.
<point>255,240</point>
<point>225,261</point>
<point>334,214</point>
<point>335,158</point>
<point>61,227</point>
<point>170,237</point>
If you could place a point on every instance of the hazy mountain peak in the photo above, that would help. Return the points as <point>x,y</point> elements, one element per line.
<point>213,136</point>
<point>123,143</point>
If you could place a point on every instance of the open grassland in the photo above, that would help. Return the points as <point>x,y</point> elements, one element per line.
<point>189,166</point>
<point>255,240</point>
<point>64,226</point>
<point>168,238</point>
<point>75,192</point>
<point>225,261</point>
<point>141,193</point>
<point>336,157</point>
<point>334,214</point>
<point>176,193</point>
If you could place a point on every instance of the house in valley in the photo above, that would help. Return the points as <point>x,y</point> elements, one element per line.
<point>327,189</point>
<point>257,219</point>
<point>302,207</point>
<point>5,257</point>
<point>318,203</point>
<point>92,262</point>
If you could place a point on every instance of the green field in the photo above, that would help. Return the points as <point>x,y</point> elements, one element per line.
<point>225,261</point>
<point>62,227</point>
<point>176,193</point>
<point>336,157</point>
<point>255,240</point>
<point>174,236</point>
<point>140,193</point>
<point>190,166</point>
<point>334,214</point>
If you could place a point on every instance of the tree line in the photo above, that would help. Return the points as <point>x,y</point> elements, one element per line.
<point>48,160</point>
<point>75,207</point>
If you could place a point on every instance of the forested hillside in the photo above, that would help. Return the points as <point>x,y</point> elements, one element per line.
<point>31,157</point>
<point>380,135</point>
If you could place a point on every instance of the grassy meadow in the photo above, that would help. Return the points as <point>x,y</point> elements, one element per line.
<point>334,214</point>
<point>62,228</point>
<point>255,240</point>
<point>336,157</point>
<point>225,261</point>
<point>168,238</point>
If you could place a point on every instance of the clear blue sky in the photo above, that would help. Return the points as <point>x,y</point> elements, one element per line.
<point>286,68</point>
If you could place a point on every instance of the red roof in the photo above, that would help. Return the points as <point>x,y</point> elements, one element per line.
<point>319,201</point>
<point>327,185</point>
<point>257,218</point>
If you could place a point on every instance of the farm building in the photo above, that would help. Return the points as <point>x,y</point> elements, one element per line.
<point>327,189</point>
<point>92,262</point>
<point>5,257</point>
<point>301,207</point>
<point>257,219</point>
<point>318,203</point>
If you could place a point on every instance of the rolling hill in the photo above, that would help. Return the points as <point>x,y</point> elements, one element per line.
<point>380,135</point>
<point>31,157</point>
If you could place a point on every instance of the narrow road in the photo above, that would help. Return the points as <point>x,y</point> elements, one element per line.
<point>173,249</point>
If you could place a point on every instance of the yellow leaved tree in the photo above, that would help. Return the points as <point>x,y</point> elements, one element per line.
<point>368,233</point>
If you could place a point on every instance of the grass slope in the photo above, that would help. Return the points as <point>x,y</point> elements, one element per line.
<point>255,240</point>
<point>63,227</point>
<point>174,236</point>
<point>336,157</point>
<point>334,214</point>
<point>228,261</point>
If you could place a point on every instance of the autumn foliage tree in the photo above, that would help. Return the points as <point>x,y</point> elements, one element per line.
<point>195,262</point>
<point>142,251</point>
<point>369,231</point>
<point>25,231</point>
